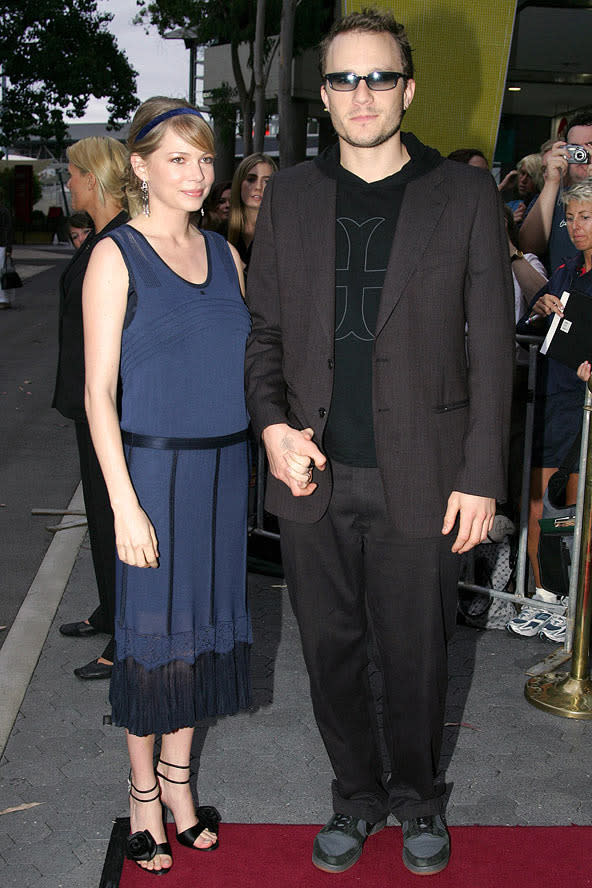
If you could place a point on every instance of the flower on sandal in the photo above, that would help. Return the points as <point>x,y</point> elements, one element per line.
<point>140,846</point>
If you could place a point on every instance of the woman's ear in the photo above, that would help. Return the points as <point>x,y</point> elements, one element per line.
<point>92,181</point>
<point>138,165</point>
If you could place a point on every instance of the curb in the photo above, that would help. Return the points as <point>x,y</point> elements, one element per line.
<point>23,645</point>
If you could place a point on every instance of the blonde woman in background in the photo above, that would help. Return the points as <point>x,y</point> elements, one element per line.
<point>96,167</point>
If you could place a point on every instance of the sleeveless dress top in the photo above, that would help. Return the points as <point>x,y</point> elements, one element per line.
<point>182,630</point>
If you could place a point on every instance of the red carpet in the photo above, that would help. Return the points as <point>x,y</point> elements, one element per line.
<point>278,856</point>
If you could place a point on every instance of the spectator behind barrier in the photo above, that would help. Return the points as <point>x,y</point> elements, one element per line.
<point>559,401</point>
<point>545,231</point>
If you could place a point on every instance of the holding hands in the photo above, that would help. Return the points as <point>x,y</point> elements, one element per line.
<point>292,454</point>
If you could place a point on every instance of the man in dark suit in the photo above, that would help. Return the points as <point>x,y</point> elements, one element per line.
<point>386,437</point>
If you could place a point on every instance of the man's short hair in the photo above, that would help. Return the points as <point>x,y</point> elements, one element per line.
<point>584,118</point>
<point>369,21</point>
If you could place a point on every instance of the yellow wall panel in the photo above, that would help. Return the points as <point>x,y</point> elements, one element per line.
<point>460,51</point>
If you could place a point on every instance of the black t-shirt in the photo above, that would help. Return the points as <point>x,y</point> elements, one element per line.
<point>365,225</point>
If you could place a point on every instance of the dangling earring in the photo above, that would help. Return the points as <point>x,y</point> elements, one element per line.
<point>202,212</point>
<point>145,198</point>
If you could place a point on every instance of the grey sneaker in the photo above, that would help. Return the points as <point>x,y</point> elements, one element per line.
<point>339,844</point>
<point>426,845</point>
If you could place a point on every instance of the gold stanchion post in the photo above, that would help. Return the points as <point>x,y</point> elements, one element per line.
<point>569,694</point>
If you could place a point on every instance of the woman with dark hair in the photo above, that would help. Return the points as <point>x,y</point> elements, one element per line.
<point>96,167</point>
<point>80,225</point>
<point>175,327</point>
<point>248,184</point>
<point>470,156</point>
<point>217,208</point>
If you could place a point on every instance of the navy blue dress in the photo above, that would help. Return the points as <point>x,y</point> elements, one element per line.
<point>182,630</point>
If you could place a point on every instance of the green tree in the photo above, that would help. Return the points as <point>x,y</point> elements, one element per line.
<point>54,55</point>
<point>234,22</point>
<point>214,23</point>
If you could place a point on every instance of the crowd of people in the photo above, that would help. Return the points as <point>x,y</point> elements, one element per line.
<point>384,283</point>
<point>548,238</point>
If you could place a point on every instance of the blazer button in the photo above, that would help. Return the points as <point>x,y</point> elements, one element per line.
<point>322,412</point>
<point>330,363</point>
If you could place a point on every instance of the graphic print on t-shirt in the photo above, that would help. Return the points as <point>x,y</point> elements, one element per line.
<point>357,282</point>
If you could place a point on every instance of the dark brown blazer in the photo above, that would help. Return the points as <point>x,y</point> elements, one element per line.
<point>441,411</point>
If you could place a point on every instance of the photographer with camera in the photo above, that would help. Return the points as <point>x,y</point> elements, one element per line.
<point>544,231</point>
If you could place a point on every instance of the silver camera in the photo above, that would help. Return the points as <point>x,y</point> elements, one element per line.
<point>576,154</point>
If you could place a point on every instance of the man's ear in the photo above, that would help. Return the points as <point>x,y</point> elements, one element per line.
<point>409,93</point>
<point>138,165</point>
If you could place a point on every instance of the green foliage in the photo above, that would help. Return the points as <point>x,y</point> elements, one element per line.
<point>213,22</point>
<point>55,55</point>
<point>233,21</point>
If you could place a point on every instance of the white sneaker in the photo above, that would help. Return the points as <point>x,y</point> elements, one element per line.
<point>555,629</point>
<point>529,622</point>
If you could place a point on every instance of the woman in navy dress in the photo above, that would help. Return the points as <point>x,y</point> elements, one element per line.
<point>174,328</point>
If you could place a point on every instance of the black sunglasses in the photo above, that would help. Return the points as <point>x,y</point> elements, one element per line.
<point>347,81</point>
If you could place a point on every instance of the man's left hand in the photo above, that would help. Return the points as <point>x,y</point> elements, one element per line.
<point>476,517</point>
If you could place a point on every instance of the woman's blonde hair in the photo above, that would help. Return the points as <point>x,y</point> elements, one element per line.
<point>581,192</point>
<point>532,163</point>
<point>236,217</point>
<point>106,159</point>
<point>191,127</point>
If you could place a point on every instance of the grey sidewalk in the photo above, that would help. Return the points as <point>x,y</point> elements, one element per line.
<point>509,763</point>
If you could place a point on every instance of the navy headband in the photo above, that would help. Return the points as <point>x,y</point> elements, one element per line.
<point>174,112</point>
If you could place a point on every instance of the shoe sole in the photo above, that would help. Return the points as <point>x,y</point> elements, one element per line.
<point>341,868</point>
<point>425,870</point>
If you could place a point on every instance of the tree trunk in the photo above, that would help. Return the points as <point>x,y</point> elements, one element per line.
<point>246,100</point>
<point>285,103</point>
<point>259,77</point>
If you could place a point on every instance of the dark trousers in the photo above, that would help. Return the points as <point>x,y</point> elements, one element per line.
<point>101,533</point>
<point>346,574</point>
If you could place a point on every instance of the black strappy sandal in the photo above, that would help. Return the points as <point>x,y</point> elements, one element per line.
<point>208,817</point>
<point>140,846</point>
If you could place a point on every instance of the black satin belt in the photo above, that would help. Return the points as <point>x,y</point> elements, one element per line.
<point>158,443</point>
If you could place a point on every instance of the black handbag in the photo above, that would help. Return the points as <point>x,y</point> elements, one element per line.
<point>10,279</point>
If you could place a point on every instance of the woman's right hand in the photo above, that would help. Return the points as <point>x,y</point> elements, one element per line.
<point>135,537</point>
<point>548,304</point>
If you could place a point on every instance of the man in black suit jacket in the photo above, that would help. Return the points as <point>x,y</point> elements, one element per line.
<point>386,435</point>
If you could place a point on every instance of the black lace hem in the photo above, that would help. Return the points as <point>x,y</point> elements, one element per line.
<point>179,694</point>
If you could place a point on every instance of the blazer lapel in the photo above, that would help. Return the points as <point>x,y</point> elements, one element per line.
<point>422,207</point>
<point>317,209</point>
